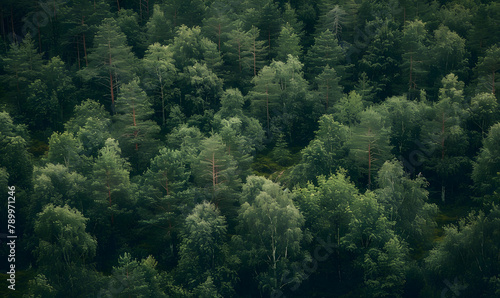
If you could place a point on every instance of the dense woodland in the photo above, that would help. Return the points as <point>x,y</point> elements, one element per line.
<point>258,148</point>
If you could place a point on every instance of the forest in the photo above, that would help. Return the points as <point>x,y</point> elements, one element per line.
<point>249,148</point>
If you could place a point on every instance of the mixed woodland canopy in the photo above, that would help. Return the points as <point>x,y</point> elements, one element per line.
<point>258,148</point>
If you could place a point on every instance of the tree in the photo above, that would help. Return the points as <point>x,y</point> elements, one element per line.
<point>158,28</point>
<point>325,154</point>
<point>91,125</point>
<point>449,54</point>
<point>159,69</point>
<point>56,184</point>
<point>133,127</point>
<point>405,202</point>
<point>22,65</point>
<point>203,87</point>
<point>381,61</point>
<point>485,170</point>
<point>469,252</point>
<point>65,149</point>
<point>132,278</point>
<point>264,15</point>
<point>405,118</point>
<point>445,136</point>
<point>64,249</point>
<point>112,191</point>
<point>50,98</point>
<point>217,172</point>
<point>484,111</point>
<point>271,234</point>
<point>203,252</point>
<point>111,61</point>
<point>414,47</point>
<point>128,21</point>
<point>16,159</point>
<point>369,144</point>
<point>348,109</point>
<point>487,68</point>
<point>190,47</point>
<point>328,87</point>
<point>325,51</point>
<point>280,93</point>
<point>164,201</point>
<point>288,43</point>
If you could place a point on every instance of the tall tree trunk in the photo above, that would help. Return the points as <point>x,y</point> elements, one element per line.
<point>254,58</point>
<point>84,45</point>
<point>369,165</point>
<point>111,78</point>
<point>267,112</point>
<point>219,36</point>
<point>78,52</point>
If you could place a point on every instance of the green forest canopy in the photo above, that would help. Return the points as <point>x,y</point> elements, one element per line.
<point>224,148</point>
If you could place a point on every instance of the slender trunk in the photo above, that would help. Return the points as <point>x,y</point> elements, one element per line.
<point>163,104</point>
<point>84,46</point>
<point>442,137</point>
<point>493,83</point>
<point>140,8</point>
<point>78,52</point>
<point>135,126</point>
<point>269,40</point>
<point>109,197</point>
<point>267,111</point>
<point>254,58</point>
<point>239,55</point>
<point>39,37</point>
<point>118,4</point>
<point>2,22</point>
<point>111,77</point>
<point>219,37</point>
<point>442,159</point>
<point>369,166</point>
<point>411,70</point>
<point>327,91</point>
<point>12,24</point>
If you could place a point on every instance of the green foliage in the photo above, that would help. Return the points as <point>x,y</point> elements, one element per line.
<point>485,173</point>
<point>469,253</point>
<point>325,51</point>
<point>369,145</point>
<point>325,154</point>
<point>288,43</point>
<point>271,234</point>
<point>134,128</point>
<point>132,278</point>
<point>15,157</point>
<point>405,202</point>
<point>203,252</point>
<point>64,249</point>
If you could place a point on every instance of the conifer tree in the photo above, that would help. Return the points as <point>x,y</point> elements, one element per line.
<point>133,127</point>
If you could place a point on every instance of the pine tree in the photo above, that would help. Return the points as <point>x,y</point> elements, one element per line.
<point>111,62</point>
<point>134,128</point>
<point>369,145</point>
<point>288,43</point>
<point>325,51</point>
